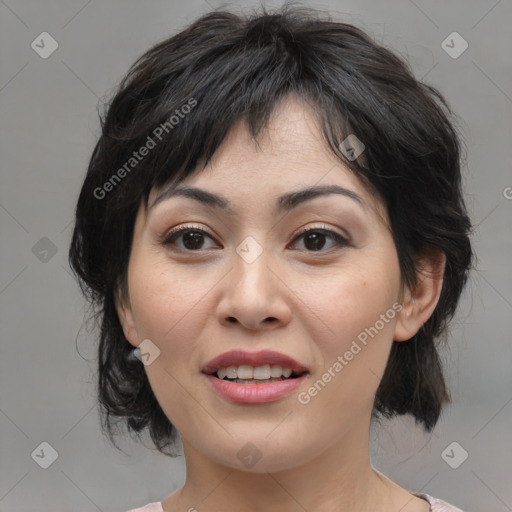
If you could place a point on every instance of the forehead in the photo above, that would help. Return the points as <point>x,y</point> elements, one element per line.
<point>289,154</point>
<point>292,134</point>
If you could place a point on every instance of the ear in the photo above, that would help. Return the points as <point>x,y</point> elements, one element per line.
<point>419,303</point>
<point>126,320</point>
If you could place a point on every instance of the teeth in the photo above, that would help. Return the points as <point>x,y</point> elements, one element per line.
<point>246,372</point>
<point>261,372</point>
<point>231,372</point>
<point>276,371</point>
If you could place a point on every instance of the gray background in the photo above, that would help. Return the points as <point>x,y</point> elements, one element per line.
<point>49,125</point>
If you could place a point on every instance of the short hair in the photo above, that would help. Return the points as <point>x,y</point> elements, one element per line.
<point>187,92</point>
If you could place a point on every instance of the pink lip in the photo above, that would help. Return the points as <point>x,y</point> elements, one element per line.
<point>239,357</point>
<point>255,393</point>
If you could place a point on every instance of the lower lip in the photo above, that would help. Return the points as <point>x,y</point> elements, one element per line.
<point>255,393</point>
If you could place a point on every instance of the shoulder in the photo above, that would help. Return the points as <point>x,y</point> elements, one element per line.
<point>150,507</point>
<point>437,505</point>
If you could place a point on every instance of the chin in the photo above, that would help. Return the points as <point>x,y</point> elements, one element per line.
<point>266,464</point>
<point>260,455</point>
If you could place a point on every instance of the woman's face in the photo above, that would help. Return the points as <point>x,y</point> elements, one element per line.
<point>245,279</point>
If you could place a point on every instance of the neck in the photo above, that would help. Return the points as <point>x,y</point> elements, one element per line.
<point>340,479</point>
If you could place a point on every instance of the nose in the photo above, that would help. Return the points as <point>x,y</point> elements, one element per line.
<point>255,296</point>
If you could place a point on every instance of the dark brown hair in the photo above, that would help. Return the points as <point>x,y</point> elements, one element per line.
<point>225,68</point>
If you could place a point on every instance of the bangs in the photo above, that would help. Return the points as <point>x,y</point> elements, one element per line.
<point>183,114</point>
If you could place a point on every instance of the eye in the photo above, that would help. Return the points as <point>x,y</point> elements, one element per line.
<point>192,238</point>
<point>314,239</point>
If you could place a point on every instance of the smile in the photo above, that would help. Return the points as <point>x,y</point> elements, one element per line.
<point>245,377</point>
<point>249,374</point>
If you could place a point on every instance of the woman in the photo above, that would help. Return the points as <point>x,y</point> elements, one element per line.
<point>273,231</point>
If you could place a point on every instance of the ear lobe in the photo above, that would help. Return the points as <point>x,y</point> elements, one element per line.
<point>420,302</point>
<point>124,312</point>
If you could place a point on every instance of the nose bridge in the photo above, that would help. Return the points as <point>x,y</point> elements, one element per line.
<point>252,267</point>
<point>253,293</point>
<point>251,250</point>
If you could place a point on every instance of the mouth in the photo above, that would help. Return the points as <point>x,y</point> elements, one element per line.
<point>265,374</point>
<point>262,367</point>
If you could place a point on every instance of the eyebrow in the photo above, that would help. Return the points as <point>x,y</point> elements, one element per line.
<point>284,203</point>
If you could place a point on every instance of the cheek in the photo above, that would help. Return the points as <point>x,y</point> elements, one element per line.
<point>171,311</point>
<point>347,300</point>
<point>168,306</point>
<point>355,320</point>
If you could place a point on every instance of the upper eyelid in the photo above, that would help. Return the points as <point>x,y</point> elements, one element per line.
<point>303,230</point>
<point>323,227</point>
<point>190,227</point>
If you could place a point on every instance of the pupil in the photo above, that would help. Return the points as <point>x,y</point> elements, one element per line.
<point>318,240</point>
<point>193,240</point>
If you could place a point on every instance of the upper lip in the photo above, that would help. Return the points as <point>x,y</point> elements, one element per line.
<point>241,357</point>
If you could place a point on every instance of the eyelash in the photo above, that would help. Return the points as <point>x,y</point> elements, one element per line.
<point>169,238</point>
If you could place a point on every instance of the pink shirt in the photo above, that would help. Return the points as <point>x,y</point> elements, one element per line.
<point>436,505</point>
